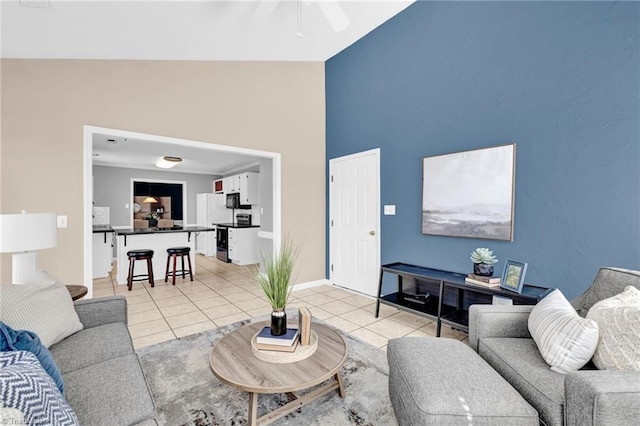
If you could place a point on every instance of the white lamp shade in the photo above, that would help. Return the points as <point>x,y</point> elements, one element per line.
<point>27,231</point>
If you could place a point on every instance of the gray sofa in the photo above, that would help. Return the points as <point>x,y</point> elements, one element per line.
<point>104,382</point>
<point>587,397</point>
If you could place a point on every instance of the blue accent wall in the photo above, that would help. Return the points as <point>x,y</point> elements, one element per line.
<point>561,79</point>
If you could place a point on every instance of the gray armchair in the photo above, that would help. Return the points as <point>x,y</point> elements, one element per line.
<point>587,397</point>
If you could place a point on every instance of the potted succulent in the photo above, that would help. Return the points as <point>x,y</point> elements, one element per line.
<point>483,260</point>
<point>275,281</point>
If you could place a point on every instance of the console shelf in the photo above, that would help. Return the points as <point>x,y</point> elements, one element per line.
<point>434,307</point>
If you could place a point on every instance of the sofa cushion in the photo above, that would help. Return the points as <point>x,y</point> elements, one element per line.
<point>112,392</point>
<point>47,310</point>
<point>92,346</point>
<point>618,318</point>
<point>565,339</point>
<point>520,363</point>
<point>25,386</point>
<point>434,381</point>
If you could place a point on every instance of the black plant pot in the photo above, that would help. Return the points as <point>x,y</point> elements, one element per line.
<point>153,222</point>
<point>278,323</point>
<point>483,269</point>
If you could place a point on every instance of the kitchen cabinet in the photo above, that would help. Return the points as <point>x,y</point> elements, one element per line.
<point>246,184</point>
<point>249,188</point>
<point>218,186</point>
<point>243,246</point>
<point>231,184</point>
<point>102,254</point>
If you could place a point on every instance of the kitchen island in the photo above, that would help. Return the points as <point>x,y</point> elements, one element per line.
<point>158,240</point>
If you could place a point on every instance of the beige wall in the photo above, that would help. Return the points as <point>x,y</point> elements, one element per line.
<point>271,106</point>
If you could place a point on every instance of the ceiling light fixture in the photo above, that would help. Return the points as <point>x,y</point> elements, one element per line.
<point>168,162</point>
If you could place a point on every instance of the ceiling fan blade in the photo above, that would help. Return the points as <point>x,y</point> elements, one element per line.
<point>262,12</point>
<point>334,14</point>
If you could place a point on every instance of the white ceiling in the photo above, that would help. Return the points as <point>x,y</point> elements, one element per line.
<point>238,30</point>
<point>115,151</point>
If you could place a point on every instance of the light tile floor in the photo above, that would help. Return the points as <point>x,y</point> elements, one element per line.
<point>223,293</point>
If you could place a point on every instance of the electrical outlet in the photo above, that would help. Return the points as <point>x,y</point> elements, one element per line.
<point>390,210</point>
<point>62,221</point>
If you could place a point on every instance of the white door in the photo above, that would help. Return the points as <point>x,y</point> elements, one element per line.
<point>354,236</point>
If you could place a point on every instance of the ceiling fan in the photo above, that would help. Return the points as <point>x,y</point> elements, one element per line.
<point>330,8</point>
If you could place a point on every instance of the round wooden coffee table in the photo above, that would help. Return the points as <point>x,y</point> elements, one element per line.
<point>233,363</point>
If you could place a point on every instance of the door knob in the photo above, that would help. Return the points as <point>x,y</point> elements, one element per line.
<point>372,232</point>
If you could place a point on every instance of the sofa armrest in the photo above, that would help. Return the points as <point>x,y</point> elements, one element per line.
<point>102,310</point>
<point>602,397</point>
<point>498,321</point>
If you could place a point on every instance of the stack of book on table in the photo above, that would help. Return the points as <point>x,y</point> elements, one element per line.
<point>286,343</point>
<point>492,282</point>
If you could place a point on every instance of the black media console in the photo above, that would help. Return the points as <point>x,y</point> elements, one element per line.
<point>443,296</point>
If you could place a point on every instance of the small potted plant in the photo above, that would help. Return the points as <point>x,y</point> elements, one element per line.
<point>483,260</point>
<point>152,218</point>
<point>276,284</point>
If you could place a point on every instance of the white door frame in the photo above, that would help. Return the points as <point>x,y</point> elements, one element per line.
<point>87,177</point>
<point>376,153</point>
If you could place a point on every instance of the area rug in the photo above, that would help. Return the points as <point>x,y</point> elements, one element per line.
<point>187,393</point>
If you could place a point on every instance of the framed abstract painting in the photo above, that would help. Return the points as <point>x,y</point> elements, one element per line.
<point>470,194</point>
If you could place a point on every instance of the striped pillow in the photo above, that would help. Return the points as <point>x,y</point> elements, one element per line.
<point>565,340</point>
<point>46,310</point>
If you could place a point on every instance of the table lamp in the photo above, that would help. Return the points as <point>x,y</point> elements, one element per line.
<point>22,234</point>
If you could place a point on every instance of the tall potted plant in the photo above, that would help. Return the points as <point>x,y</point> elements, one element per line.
<point>276,283</point>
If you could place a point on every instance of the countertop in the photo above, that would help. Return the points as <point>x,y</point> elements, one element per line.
<point>102,228</point>
<point>144,231</point>
<point>235,225</point>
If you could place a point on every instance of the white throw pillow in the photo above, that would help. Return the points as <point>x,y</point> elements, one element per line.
<point>565,340</point>
<point>618,318</point>
<point>47,310</point>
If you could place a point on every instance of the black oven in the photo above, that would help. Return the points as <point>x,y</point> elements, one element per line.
<point>222,243</point>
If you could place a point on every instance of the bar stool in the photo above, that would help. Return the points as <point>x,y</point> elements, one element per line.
<point>173,253</point>
<point>142,254</point>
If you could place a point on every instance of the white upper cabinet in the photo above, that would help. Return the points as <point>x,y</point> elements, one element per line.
<point>231,184</point>
<point>249,188</point>
<point>247,184</point>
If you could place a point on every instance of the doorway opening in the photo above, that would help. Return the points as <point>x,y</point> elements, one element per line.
<point>158,203</point>
<point>269,235</point>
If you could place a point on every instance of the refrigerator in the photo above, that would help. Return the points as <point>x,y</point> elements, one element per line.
<point>210,209</point>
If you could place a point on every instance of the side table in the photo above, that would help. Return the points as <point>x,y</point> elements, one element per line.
<point>77,291</point>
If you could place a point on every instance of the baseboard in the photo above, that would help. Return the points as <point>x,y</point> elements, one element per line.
<point>311,284</point>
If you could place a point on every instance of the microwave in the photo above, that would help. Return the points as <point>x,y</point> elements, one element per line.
<point>233,202</point>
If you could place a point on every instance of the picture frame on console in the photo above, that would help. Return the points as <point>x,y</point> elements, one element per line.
<point>470,194</point>
<point>513,275</point>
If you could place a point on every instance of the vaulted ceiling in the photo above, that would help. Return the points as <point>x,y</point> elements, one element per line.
<point>263,30</point>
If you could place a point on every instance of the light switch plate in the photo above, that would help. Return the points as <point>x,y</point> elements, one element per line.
<point>389,210</point>
<point>62,221</point>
